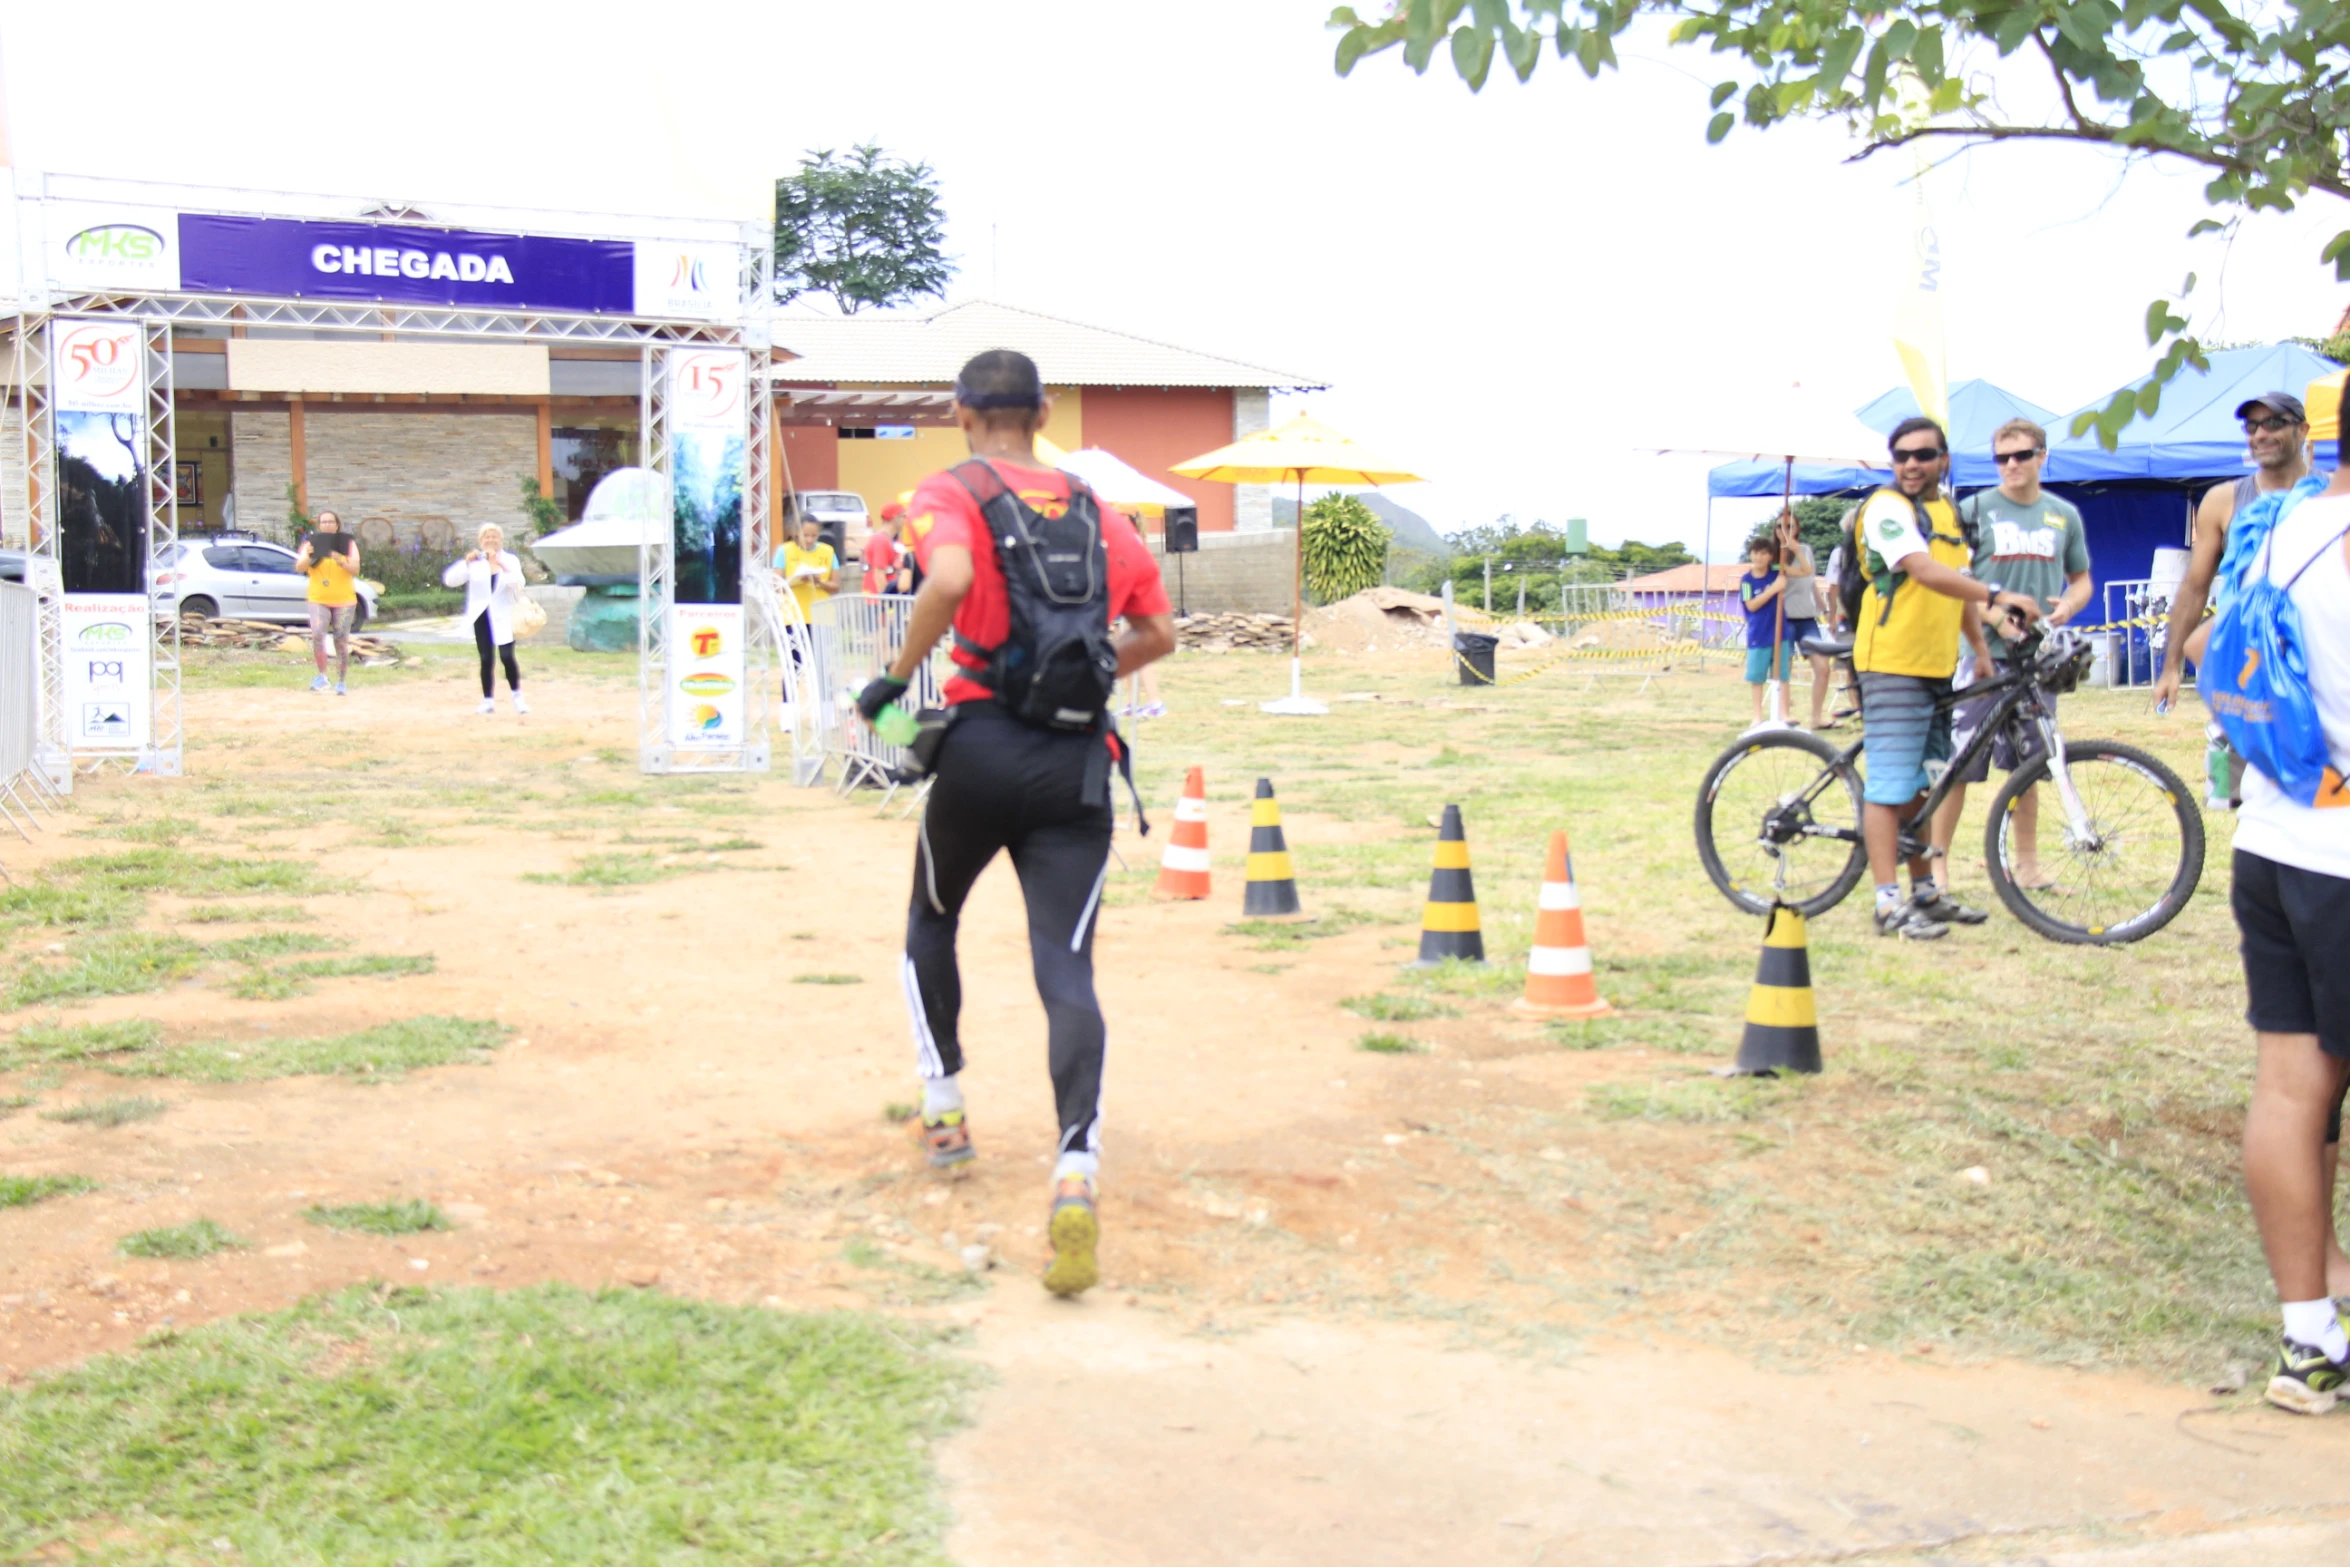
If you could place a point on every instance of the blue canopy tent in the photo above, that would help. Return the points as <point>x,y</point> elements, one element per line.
<point>1976,409</point>
<point>2141,496</point>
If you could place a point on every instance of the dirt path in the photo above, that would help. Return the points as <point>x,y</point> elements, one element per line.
<point>1358,1309</point>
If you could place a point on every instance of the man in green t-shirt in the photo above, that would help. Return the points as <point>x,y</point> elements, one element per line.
<point>2030,542</point>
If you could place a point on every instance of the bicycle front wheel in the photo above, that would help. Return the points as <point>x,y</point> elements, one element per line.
<point>2119,875</point>
<point>1779,816</point>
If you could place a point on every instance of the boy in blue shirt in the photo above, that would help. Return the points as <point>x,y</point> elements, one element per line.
<point>1758,594</point>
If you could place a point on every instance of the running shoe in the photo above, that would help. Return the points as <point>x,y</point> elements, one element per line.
<point>2307,1381</point>
<point>341,689</point>
<point>947,1139</point>
<point>520,706</point>
<point>489,705</point>
<point>1947,910</point>
<point>1904,919</point>
<point>318,684</point>
<point>1076,1230</point>
<point>1152,710</point>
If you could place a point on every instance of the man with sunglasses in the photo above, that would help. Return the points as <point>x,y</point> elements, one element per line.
<point>2276,433</point>
<point>2034,543</point>
<point>1920,599</point>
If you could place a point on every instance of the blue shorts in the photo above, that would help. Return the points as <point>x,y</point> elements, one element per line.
<point>1758,663</point>
<point>1801,630</point>
<point>1901,731</point>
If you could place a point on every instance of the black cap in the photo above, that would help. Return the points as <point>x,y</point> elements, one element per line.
<point>999,378</point>
<point>2283,402</point>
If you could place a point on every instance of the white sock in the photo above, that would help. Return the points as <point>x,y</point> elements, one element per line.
<point>1925,889</point>
<point>941,1094</point>
<point>1888,894</point>
<point>2315,1323</point>
<point>1088,1165</point>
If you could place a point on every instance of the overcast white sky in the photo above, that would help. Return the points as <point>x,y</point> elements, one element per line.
<point>1509,292</point>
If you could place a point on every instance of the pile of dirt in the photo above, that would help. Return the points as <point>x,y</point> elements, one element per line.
<point>259,636</point>
<point>1224,633</point>
<point>1389,618</point>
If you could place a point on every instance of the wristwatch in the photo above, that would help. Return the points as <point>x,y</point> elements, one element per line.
<point>1994,590</point>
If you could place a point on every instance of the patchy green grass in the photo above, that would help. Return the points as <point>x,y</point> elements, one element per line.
<point>604,872</point>
<point>11,1103</point>
<point>898,1112</point>
<point>22,1191</point>
<point>190,875</point>
<point>1678,1034</point>
<point>260,984</point>
<point>495,1429</point>
<point>1390,1008</point>
<point>828,979</point>
<point>1265,935</point>
<point>67,907</point>
<point>380,1218</point>
<point>245,914</point>
<point>270,944</point>
<point>902,1281</point>
<point>1389,1045</point>
<point>372,1054</point>
<point>293,979</point>
<point>164,830</point>
<point>109,1113</point>
<point>182,1242</point>
<point>1695,1099</point>
<point>58,1041</point>
<point>117,963</point>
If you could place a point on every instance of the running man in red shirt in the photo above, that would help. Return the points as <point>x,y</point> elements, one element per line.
<point>1025,764</point>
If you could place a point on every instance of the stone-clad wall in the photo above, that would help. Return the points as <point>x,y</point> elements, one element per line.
<point>261,463</point>
<point>1246,572</point>
<point>429,477</point>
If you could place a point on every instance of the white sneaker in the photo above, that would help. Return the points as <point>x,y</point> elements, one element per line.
<point>520,706</point>
<point>489,704</point>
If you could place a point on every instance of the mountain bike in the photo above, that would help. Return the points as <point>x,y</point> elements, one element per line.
<point>2121,841</point>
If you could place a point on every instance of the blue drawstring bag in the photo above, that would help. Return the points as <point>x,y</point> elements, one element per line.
<point>2255,671</point>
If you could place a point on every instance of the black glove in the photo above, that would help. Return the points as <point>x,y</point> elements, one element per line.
<point>878,694</point>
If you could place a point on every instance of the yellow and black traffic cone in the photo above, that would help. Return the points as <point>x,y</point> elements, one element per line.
<point>1782,1029</point>
<point>1448,925</point>
<point>1271,890</point>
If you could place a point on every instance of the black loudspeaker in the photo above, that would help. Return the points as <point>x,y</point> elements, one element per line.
<point>1183,530</point>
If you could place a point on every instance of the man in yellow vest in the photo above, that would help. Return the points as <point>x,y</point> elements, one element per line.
<point>1921,598</point>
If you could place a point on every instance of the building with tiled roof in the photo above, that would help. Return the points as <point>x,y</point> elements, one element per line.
<point>863,401</point>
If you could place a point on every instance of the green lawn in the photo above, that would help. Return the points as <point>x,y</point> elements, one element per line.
<point>384,1425</point>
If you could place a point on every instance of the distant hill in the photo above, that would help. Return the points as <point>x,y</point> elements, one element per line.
<point>1412,531</point>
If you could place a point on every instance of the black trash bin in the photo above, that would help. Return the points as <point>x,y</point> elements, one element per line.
<point>1473,651</point>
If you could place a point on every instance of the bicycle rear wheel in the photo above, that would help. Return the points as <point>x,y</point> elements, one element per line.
<point>1760,810</point>
<point>2129,875</point>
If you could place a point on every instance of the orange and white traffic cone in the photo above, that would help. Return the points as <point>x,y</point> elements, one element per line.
<point>1558,970</point>
<point>1183,869</point>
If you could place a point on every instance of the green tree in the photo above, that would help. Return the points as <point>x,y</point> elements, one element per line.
<point>1535,554</point>
<point>1345,547</point>
<point>1818,522</point>
<point>862,228</point>
<point>2256,91</point>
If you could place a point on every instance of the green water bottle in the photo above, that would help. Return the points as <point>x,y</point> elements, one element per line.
<point>2219,773</point>
<point>896,725</point>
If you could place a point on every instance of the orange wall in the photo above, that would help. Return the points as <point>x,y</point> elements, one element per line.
<point>813,450</point>
<point>1152,427</point>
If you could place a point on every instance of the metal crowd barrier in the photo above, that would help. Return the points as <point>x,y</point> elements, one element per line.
<point>24,790</point>
<point>856,636</point>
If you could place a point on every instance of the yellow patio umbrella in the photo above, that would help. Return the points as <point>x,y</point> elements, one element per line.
<point>1301,452</point>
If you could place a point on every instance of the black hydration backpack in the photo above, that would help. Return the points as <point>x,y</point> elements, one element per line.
<point>1057,668</point>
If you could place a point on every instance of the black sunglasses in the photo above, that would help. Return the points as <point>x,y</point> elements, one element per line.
<point>2272,423</point>
<point>2026,455</point>
<point>1916,453</point>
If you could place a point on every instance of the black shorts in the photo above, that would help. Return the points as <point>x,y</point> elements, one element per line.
<point>1968,717</point>
<point>2296,927</point>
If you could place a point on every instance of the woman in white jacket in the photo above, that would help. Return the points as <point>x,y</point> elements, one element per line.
<point>492,579</point>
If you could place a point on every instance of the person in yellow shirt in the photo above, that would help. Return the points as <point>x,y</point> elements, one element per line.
<point>1921,598</point>
<point>810,566</point>
<point>330,559</point>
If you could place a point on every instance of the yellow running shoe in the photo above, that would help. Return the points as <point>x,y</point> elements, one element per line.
<point>1075,1230</point>
<point>946,1139</point>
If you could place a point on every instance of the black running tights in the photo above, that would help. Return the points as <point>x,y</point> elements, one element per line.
<point>485,642</point>
<point>1002,785</point>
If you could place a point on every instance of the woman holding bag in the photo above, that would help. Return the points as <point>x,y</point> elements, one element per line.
<point>491,576</point>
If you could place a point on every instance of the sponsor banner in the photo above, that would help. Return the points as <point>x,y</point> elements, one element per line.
<point>706,389</point>
<point>97,367</point>
<point>404,264</point>
<point>97,246</point>
<point>706,677</point>
<point>689,281</point>
<point>108,650</point>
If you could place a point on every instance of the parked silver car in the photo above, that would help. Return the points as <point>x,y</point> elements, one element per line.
<point>236,577</point>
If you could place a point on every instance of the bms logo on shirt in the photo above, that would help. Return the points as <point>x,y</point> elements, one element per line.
<point>2011,539</point>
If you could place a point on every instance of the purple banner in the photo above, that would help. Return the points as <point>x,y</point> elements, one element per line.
<point>400,264</point>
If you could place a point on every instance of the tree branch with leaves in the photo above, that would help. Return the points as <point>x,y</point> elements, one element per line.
<point>862,228</point>
<point>2256,91</point>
